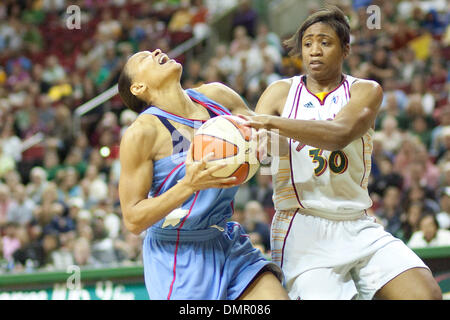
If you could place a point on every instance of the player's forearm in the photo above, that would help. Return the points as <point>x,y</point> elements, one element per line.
<point>328,135</point>
<point>147,212</point>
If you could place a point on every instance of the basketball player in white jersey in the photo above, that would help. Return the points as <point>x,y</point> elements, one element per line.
<point>323,239</point>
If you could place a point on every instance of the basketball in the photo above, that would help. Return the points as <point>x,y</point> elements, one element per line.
<point>232,143</point>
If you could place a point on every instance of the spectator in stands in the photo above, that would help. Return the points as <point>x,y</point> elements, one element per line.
<point>50,243</point>
<point>128,247</point>
<point>378,155</point>
<point>427,98</point>
<point>423,194</point>
<point>94,186</point>
<point>30,255</point>
<point>112,223</point>
<point>102,246</point>
<point>69,183</point>
<point>412,68</point>
<point>405,154</point>
<point>181,20</point>
<point>74,159</point>
<point>257,242</point>
<point>52,164</point>
<point>273,40</point>
<point>443,216</point>
<point>390,135</point>
<point>443,118</point>
<point>223,60</point>
<point>410,220</point>
<point>12,180</point>
<point>246,16</point>
<point>82,253</point>
<point>193,76</point>
<point>37,184</point>
<point>429,234</point>
<point>53,71</point>
<point>10,241</point>
<point>21,210</point>
<point>387,178</point>
<point>62,256</point>
<point>380,68</point>
<point>255,221</point>
<point>7,163</point>
<point>262,190</point>
<point>390,210</point>
<point>6,203</point>
<point>108,28</point>
<point>443,151</point>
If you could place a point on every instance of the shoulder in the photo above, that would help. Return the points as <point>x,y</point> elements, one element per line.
<point>280,87</point>
<point>365,86</point>
<point>142,132</point>
<point>217,91</point>
<point>223,95</point>
<point>274,98</point>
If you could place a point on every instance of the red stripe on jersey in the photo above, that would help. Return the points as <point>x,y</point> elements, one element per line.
<point>176,247</point>
<point>165,180</point>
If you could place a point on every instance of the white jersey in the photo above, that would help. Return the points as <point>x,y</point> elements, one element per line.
<point>319,182</point>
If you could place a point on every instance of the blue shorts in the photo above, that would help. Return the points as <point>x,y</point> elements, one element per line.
<point>213,264</point>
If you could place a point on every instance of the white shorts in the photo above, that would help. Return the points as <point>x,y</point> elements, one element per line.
<point>332,260</point>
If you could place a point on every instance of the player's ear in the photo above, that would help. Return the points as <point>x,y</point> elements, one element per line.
<point>346,50</point>
<point>138,88</point>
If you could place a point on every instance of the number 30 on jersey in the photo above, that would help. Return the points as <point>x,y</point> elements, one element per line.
<point>337,161</point>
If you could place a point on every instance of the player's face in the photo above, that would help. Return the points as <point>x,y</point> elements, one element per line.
<point>322,52</point>
<point>152,68</point>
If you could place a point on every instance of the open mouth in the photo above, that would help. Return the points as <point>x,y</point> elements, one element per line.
<point>163,59</point>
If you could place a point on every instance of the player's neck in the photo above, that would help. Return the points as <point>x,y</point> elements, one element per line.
<point>174,100</point>
<point>323,85</point>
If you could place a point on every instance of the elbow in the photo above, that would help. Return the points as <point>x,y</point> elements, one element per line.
<point>133,226</point>
<point>341,139</point>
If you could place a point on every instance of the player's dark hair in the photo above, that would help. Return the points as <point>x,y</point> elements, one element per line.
<point>331,15</point>
<point>130,100</point>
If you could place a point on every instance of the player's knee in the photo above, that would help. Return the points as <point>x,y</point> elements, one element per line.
<point>434,293</point>
<point>431,292</point>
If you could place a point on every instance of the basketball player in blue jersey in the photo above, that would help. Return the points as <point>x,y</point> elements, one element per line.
<point>190,251</point>
<point>322,238</point>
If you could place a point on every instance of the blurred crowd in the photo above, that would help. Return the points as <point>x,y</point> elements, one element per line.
<point>59,202</point>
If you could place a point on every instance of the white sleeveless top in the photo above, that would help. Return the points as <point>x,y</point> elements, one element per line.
<point>319,182</point>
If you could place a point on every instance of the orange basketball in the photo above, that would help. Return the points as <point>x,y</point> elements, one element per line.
<point>232,143</point>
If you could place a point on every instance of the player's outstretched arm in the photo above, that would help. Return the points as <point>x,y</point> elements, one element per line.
<point>140,212</point>
<point>350,123</point>
<point>226,96</point>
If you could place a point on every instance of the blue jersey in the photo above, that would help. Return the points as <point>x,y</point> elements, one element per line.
<point>204,208</point>
<point>194,253</point>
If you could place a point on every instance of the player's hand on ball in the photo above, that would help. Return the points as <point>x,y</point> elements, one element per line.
<point>257,122</point>
<point>198,177</point>
<point>263,144</point>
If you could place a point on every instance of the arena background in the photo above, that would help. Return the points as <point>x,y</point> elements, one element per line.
<point>61,120</point>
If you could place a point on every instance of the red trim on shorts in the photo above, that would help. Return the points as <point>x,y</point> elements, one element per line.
<point>176,247</point>
<point>285,238</point>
